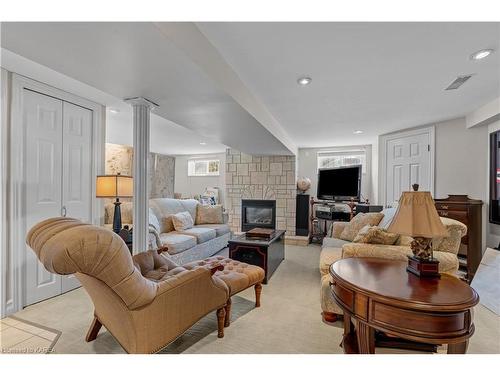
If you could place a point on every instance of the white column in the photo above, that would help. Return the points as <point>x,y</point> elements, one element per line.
<point>142,110</point>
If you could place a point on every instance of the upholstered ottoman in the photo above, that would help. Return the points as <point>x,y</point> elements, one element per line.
<point>236,275</point>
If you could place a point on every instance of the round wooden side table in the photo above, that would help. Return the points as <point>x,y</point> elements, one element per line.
<point>380,295</point>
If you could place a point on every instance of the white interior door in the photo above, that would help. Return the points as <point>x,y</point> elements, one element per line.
<point>77,170</point>
<point>42,120</point>
<point>408,162</point>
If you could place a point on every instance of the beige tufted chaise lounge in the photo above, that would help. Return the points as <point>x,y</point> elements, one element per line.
<point>143,315</point>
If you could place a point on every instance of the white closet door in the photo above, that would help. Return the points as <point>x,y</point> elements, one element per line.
<point>42,121</point>
<point>77,169</point>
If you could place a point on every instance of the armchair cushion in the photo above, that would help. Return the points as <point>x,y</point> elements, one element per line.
<point>359,221</point>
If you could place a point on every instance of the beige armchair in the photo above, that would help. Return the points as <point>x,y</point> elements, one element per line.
<point>143,315</point>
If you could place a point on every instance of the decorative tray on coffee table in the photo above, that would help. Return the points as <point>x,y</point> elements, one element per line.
<point>263,233</point>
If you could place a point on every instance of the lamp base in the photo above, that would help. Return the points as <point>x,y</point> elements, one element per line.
<point>117,217</point>
<point>428,268</point>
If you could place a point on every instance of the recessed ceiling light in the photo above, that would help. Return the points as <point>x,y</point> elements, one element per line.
<point>114,110</point>
<point>358,131</point>
<point>303,81</point>
<point>481,54</point>
<point>203,143</point>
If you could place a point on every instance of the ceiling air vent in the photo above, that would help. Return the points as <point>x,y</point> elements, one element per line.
<point>458,82</point>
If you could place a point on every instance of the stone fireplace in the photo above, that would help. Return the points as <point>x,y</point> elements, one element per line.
<point>258,213</point>
<point>266,178</point>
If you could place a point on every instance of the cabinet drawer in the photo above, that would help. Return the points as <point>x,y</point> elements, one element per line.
<point>456,215</point>
<point>450,206</point>
<point>346,296</point>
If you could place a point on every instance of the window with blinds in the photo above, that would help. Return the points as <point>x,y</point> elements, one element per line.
<point>342,158</point>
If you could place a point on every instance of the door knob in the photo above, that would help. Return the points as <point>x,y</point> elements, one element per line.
<point>63,211</point>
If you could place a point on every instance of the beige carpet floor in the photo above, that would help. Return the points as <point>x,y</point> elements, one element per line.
<point>289,320</point>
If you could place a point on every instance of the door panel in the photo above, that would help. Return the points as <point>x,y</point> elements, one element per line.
<point>42,121</point>
<point>408,162</point>
<point>77,169</point>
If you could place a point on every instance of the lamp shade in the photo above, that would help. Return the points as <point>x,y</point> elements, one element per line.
<point>417,216</point>
<point>114,186</point>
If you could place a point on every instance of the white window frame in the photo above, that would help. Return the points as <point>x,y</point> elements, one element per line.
<point>342,152</point>
<point>192,168</point>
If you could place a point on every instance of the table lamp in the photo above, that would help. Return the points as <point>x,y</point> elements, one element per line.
<point>115,186</point>
<point>417,217</point>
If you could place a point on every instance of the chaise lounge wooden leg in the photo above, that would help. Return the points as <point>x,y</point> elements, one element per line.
<point>258,290</point>
<point>227,319</point>
<point>93,330</point>
<point>330,317</point>
<point>221,314</point>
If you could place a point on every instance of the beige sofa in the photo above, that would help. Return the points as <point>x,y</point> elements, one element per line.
<point>445,250</point>
<point>197,243</point>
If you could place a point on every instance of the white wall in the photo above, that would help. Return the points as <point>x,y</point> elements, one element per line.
<point>191,186</point>
<point>462,163</point>
<point>308,167</point>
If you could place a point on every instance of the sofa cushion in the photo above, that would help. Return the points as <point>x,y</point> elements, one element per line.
<point>334,242</point>
<point>163,208</point>
<point>375,235</point>
<point>358,222</point>
<point>182,221</point>
<point>220,229</point>
<point>451,244</point>
<point>201,234</point>
<point>328,256</point>
<point>206,214</point>
<point>388,216</point>
<point>176,242</point>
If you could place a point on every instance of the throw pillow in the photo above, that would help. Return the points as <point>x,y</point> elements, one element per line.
<point>182,221</point>
<point>375,235</point>
<point>207,214</point>
<point>359,221</point>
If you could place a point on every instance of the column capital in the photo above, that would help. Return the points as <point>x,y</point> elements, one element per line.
<point>138,100</point>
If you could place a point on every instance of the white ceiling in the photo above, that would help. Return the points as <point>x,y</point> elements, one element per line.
<point>374,77</point>
<point>235,83</point>
<point>136,59</point>
<point>166,137</point>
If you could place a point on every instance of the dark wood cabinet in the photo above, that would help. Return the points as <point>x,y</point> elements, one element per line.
<point>469,212</point>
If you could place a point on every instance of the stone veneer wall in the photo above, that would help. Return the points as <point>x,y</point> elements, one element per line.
<point>261,177</point>
<point>119,159</point>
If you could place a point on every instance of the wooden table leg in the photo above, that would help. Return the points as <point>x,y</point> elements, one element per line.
<point>366,338</point>
<point>458,348</point>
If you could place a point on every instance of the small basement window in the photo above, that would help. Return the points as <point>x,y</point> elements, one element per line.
<point>199,167</point>
<point>342,158</point>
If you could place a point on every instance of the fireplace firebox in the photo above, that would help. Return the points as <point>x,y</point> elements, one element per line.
<point>258,213</point>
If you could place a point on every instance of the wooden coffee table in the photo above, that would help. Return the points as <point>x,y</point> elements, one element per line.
<point>380,295</point>
<point>265,253</point>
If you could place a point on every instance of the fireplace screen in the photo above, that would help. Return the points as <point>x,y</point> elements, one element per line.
<point>258,215</point>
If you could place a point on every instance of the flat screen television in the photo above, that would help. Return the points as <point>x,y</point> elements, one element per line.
<point>339,184</point>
